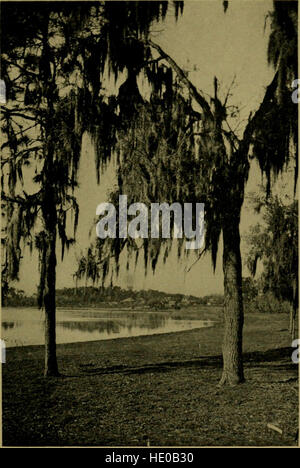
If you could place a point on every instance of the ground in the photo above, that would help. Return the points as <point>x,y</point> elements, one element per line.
<point>161,390</point>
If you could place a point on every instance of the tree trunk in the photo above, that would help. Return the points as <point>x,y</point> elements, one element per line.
<point>293,311</point>
<point>233,306</point>
<point>51,367</point>
<point>49,264</point>
<point>292,322</point>
<point>49,205</point>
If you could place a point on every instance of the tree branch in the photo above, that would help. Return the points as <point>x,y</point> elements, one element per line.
<point>30,199</point>
<point>187,270</point>
<point>182,76</point>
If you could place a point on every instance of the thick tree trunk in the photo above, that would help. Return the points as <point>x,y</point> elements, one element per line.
<point>49,265</point>
<point>233,306</point>
<point>51,367</point>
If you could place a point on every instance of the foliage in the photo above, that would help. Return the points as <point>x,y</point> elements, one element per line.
<point>197,155</point>
<point>250,289</point>
<point>15,297</point>
<point>267,303</point>
<point>276,134</point>
<point>275,244</point>
<point>166,140</point>
<point>53,63</point>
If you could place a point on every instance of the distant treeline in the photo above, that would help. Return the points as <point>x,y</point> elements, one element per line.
<point>113,297</point>
<point>255,299</point>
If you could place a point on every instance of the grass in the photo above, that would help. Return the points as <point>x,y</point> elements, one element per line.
<point>161,388</point>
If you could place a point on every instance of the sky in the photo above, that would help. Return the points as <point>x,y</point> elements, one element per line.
<point>208,43</point>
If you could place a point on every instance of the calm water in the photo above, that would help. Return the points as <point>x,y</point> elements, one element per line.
<point>21,327</point>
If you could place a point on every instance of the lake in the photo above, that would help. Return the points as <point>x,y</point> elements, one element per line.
<point>25,326</point>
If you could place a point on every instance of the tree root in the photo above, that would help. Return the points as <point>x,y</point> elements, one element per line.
<point>230,379</point>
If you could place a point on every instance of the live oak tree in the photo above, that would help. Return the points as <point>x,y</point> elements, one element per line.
<point>171,153</point>
<point>54,56</point>
<point>270,136</point>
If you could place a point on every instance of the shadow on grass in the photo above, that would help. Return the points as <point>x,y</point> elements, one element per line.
<point>273,359</point>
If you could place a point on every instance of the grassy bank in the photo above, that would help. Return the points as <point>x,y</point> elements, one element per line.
<point>162,388</point>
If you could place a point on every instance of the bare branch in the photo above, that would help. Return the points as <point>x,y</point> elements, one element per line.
<point>187,270</point>
<point>182,76</point>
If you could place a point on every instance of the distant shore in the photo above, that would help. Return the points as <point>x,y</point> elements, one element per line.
<point>114,297</point>
<point>195,311</point>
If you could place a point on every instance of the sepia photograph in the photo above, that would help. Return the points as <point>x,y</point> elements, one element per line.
<point>149,226</point>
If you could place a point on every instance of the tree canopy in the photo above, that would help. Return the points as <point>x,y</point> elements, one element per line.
<point>54,58</point>
<point>200,156</point>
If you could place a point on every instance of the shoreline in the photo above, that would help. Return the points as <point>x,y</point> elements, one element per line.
<point>191,315</point>
<point>116,338</point>
<point>116,392</point>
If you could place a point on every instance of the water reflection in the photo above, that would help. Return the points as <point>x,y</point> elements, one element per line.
<point>106,326</point>
<point>115,325</point>
<point>22,327</point>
